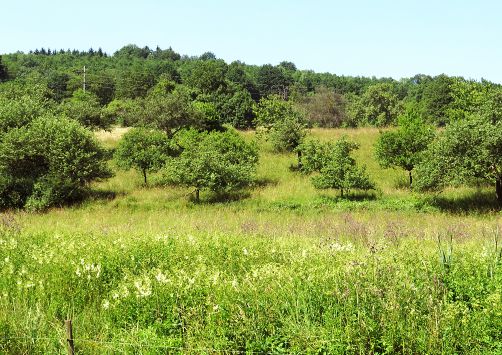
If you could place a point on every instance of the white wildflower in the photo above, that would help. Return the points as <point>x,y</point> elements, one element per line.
<point>143,287</point>
<point>215,278</point>
<point>106,304</point>
<point>161,278</point>
<point>341,247</point>
<point>245,251</point>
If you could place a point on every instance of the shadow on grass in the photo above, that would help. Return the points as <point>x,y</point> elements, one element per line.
<point>220,197</point>
<point>478,202</point>
<point>264,182</point>
<point>101,195</point>
<point>352,196</point>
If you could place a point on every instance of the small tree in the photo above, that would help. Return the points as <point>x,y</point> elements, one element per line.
<point>403,147</point>
<point>217,161</point>
<point>281,123</point>
<point>315,154</point>
<point>467,151</point>
<point>171,112</point>
<point>339,170</point>
<point>145,150</point>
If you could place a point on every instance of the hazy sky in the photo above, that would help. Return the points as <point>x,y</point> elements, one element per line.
<point>380,37</point>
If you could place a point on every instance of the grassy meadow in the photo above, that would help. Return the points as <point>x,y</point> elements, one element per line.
<point>278,268</point>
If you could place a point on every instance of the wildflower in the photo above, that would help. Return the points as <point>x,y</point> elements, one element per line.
<point>143,287</point>
<point>161,278</point>
<point>245,251</point>
<point>106,304</point>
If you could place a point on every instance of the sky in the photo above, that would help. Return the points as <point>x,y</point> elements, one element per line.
<point>379,38</point>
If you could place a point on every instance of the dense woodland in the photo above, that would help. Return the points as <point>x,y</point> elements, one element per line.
<point>51,99</point>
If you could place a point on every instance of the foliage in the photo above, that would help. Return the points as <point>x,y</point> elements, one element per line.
<point>84,107</point>
<point>217,161</point>
<point>437,98</point>
<point>126,113</point>
<point>339,170</point>
<point>206,76</point>
<point>272,80</point>
<point>466,152</point>
<point>170,112</point>
<point>21,111</point>
<point>403,147</point>
<point>315,154</point>
<point>3,71</point>
<point>48,162</point>
<point>143,149</point>
<point>281,123</point>
<point>377,106</point>
<point>237,109</point>
<point>325,108</point>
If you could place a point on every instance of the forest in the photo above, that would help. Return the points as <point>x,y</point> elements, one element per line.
<point>168,203</point>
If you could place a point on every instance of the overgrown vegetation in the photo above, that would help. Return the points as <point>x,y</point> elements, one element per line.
<point>268,257</point>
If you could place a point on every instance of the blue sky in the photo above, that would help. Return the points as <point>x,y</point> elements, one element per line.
<point>380,37</point>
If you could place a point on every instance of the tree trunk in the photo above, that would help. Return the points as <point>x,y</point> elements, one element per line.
<point>341,192</point>
<point>300,165</point>
<point>498,190</point>
<point>197,195</point>
<point>411,178</point>
<point>144,176</point>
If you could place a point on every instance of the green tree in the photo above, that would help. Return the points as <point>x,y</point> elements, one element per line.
<point>339,170</point>
<point>125,112</point>
<point>378,106</point>
<point>468,151</point>
<point>217,161</point>
<point>282,124</point>
<point>84,107</point>
<point>437,98</point>
<point>404,147</point>
<point>145,150</point>
<point>315,154</point>
<point>48,162</point>
<point>170,113</point>
<point>272,80</point>
<point>3,71</point>
<point>206,76</point>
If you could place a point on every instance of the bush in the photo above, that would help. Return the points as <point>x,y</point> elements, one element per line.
<point>338,170</point>
<point>84,107</point>
<point>47,163</point>
<point>217,161</point>
<point>404,147</point>
<point>145,150</point>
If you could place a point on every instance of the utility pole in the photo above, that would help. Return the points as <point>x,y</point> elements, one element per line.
<point>84,78</point>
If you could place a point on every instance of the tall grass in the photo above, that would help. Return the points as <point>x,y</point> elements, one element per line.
<point>284,269</point>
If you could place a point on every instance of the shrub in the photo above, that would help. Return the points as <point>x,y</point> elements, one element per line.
<point>339,169</point>
<point>217,161</point>
<point>48,162</point>
<point>145,150</point>
<point>404,147</point>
